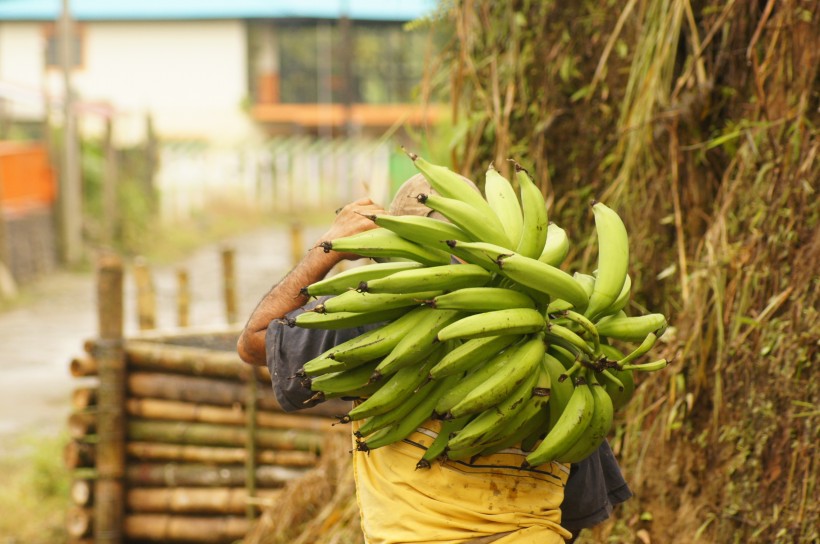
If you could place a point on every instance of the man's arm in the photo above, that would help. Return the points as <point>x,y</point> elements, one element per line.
<point>285,296</point>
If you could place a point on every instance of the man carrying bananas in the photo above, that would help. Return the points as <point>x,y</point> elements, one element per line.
<point>489,499</point>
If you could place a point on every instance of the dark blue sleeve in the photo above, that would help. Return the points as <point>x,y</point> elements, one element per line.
<point>594,487</point>
<point>288,348</point>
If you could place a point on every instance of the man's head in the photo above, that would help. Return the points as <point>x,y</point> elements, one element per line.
<point>406,203</point>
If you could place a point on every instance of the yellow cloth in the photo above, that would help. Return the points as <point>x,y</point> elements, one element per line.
<point>454,501</point>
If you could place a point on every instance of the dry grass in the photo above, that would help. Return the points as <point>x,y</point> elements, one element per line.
<point>698,122</point>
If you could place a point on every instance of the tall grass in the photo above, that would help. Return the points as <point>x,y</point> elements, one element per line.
<point>697,121</point>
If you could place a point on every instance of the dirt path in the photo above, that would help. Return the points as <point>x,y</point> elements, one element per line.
<point>39,338</point>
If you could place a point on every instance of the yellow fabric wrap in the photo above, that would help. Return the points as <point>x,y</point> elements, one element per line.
<point>452,501</point>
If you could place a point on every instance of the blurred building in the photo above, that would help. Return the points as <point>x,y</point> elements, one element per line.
<point>220,70</point>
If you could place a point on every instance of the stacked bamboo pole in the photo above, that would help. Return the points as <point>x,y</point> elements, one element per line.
<point>178,441</point>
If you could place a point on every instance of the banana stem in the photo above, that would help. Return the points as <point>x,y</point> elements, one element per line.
<point>648,367</point>
<point>589,327</point>
<point>571,370</point>
<point>645,346</point>
<point>613,379</point>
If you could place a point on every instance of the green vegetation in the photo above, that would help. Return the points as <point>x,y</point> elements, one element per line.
<point>33,490</point>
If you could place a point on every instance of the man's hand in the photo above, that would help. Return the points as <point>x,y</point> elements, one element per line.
<point>350,220</point>
<point>285,296</point>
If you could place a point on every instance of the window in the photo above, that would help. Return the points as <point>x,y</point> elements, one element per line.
<point>52,46</point>
<point>386,62</point>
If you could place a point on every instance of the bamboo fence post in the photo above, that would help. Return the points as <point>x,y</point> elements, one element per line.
<point>110,449</point>
<point>146,303</point>
<point>229,280</point>
<point>296,243</point>
<point>250,444</point>
<point>183,297</point>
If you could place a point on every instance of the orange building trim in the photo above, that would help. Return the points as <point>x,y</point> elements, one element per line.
<point>26,177</point>
<point>337,115</point>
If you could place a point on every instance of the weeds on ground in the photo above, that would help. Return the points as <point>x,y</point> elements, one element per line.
<point>33,491</point>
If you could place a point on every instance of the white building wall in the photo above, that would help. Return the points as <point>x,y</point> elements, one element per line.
<point>191,76</point>
<point>21,69</point>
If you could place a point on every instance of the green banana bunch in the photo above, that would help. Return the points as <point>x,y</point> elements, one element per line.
<point>508,349</point>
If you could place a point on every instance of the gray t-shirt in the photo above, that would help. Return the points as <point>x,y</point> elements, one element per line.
<point>594,487</point>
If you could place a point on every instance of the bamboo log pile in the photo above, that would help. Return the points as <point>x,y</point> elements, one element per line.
<point>202,440</point>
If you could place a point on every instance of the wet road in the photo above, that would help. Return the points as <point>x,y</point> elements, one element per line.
<point>39,338</point>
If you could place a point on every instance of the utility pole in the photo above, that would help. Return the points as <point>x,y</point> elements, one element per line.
<point>70,195</point>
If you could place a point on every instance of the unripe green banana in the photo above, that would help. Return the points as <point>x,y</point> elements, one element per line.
<point>587,281</point>
<point>343,382</point>
<point>403,427</point>
<point>478,225</point>
<point>343,320</point>
<point>631,329</point>
<point>596,431</point>
<point>504,202</point>
<point>620,397</point>
<point>487,423</point>
<point>556,248</point>
<point>448,183</point>
<point>482,299</point>
<point>426,231</point>
<point>446,277</point>
<point>380,242</point>
<point>501,384</point>
<point>396,389</point>
<point>643,348</point>
<point>350,279</point>
<point>536,221</point>
<point>560,390</point>
<point>648,367</point>
<point>418,343</point>
<point>470,354</point>
<point>510,321</point>
<point>439,443</point>
<point>565,356</point>
<point>567,429</point>
<point>622,300</point>
<point>355,301</point>
<point>530,421</point>
<point>544,278</point>
<point>613,260</point>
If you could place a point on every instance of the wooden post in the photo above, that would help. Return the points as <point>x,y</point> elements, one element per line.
<point>146,303</point>
<point>110,450</point>
<point>250,442</point>
<point>229,278</point>
<point>109,180</point>
<point>70,194</point>
<point>296,244</point>
<point>183,297</point>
